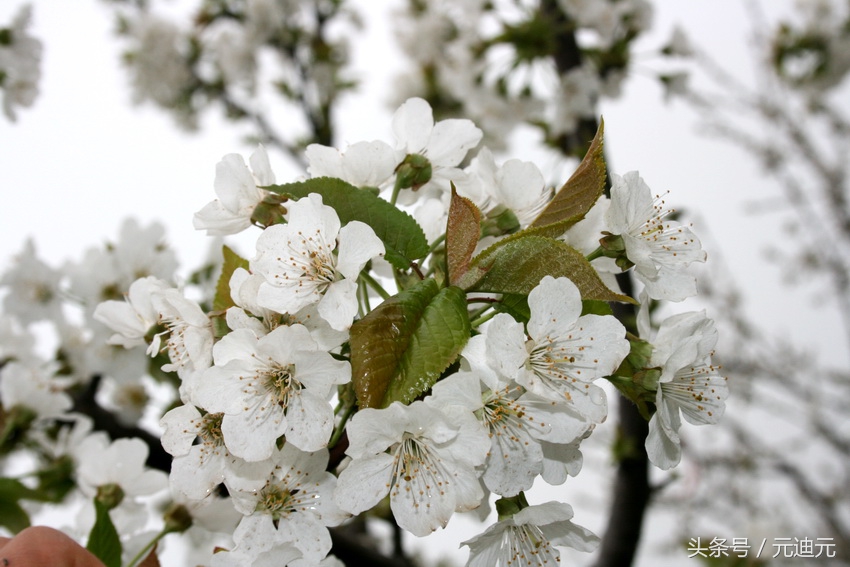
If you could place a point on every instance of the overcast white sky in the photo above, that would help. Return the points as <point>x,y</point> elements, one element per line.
<point>83,158</point>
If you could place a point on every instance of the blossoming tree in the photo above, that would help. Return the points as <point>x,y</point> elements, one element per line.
<point>421,330</point>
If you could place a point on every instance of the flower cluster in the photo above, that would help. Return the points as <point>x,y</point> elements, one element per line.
<point>417,330</point>
<point>491,62</point>
<point>20,64</point>
<point>235,54</point>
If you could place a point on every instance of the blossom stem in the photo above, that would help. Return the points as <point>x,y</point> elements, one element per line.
<point>396,190</point>
<point>437,243</point>
<point>340,429</point>
<point>478,312</point>
<point>145,551</point>
<point>483,319</point>
<point>363,304</point>
<point>598,253</point>
<point>371,282</point>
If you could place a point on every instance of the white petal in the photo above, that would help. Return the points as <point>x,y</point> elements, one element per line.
<point>370,164</point>
<point>358,244</point>
<point>310,421</point>
<point>324,161</point>
<point>252,435</point>
<point>196,475</point>
<point>662,445</point>
<point>261,167</point>
<point>179,430</point>
<point>364,483</point>
<point>234,184</point>
<point>412,125</point>
<point>514,463</point>
<point>451,140</point>
<point>372,431</point>
<point>555,306</point>
<point>339,304</point>
<point>320,372</point>
<point>506,345</point>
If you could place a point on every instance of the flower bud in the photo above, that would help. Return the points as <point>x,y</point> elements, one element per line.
<point>270,210</point>
<point>499,221</point>
<point>177,518</point>
<point>648,379</point>
<point>507,507</point>
<point>413,172</point>
<point>613,246</point>
<point>110,495</point>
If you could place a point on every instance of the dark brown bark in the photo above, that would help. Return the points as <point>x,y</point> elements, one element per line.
<point>631,492</point>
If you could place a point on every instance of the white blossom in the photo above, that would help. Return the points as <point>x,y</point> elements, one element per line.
<point>660,249</point>
<point>689,384</point>
<point>266,387</point>
<point>516,185</point>
<point>142,251</point>
<point>106,272</point>
<point>158,64</point>
<point>444,144</point>
<point>529,538</point>
<point>201,460</point>
<point>248,314</point>
<point>238,189</point>
<point>188,335</point>
<point>101,462</point>
<point>35,388</point>
<point>300,267</point>
<point>424,460</point>
<point>291,504</point>
<point>134,317</point>
<point>34,291</point>
<point>564,353</point>
<point>517,423</point>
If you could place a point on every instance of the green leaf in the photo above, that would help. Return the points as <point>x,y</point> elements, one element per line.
<point>516,265</point>
<point>12,491</point>
<point>223,300</point>
<point>581,190</point>
<point>232,260</point>
<point>402,236</point>
<point>12,516</point>
<point>594,307</point>
<point>463,231</point>
<point>103,538</point>
<point>515,305</point>
<point>56,479</point>
<point>399,349</point>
